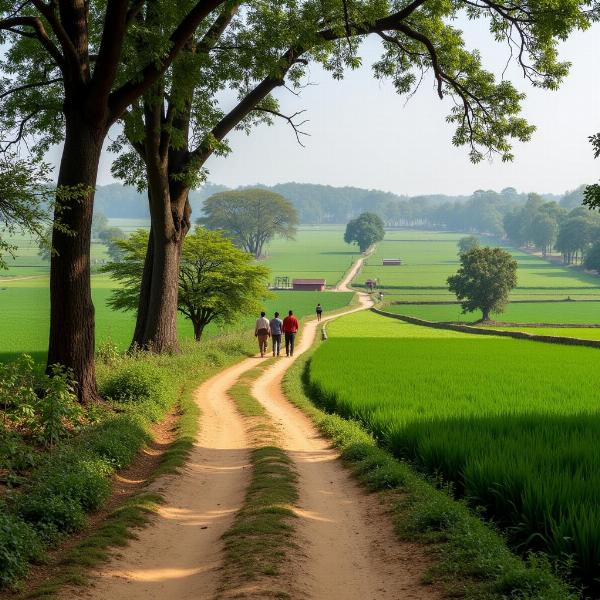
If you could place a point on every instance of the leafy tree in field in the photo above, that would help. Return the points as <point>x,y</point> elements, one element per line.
<point>575,234</point>
<point>218,282</point>
<point>181,123</point>
<point>484,280</point>
<point>109,237</point>
<point>543,232</point>
<point>592,192</point>
<point>366,230</point>
<point>251,218</point>
<point>467,243</point>
<point>99,224</point>
<point>592,257</point>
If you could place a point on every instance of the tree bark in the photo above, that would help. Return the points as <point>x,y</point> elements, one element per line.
<point>486,315</point>
<point>72,329</point>
<point>144,299</point>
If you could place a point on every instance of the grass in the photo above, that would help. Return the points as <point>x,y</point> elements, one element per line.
<point>471,560</point>
<point>314,253</point>
<point>511,425</point>
<point>585,333</point>
<point>538,312</point>
<point>258,543</point>
<point>24,306</point>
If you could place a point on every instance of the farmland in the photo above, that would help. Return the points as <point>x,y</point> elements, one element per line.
<point>511,424</point>
<point>430,257</point>
<point>24,297</point>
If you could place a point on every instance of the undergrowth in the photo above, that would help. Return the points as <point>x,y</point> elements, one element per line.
<point>57,489</point>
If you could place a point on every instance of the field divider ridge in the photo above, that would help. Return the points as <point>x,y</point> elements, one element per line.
<point>521,335</point>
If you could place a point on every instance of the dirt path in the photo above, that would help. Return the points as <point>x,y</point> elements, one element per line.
<point>178,555</point>
<point>352,552</point>
<point>350,547</point>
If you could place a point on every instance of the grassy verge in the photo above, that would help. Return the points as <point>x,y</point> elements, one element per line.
<point>260,540</point>
<point>472,560</point>
<point>76,478</point>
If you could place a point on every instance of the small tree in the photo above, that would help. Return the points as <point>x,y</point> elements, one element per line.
<point>467,243</point>
<point>366,230</point>
<point>484,280</point>
<point>251,217</point>
<point>218,283</point>
<point>592,258</point>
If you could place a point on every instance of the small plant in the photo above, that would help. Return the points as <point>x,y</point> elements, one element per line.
<point>108,352</point>
<point>17,391</point>
<point>57,410</point>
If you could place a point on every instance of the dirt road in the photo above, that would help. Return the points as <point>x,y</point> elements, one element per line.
<point>347,539</point>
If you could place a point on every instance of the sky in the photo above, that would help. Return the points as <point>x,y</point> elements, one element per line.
<point>363,134</point>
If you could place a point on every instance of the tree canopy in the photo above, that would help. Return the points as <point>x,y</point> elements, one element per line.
<point>364,231</point>
<point>466,243</point>
<point>484,280</point>
<point>251,217</point>
<point>218,283</point>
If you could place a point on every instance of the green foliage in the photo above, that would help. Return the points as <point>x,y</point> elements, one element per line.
<point>592,192</point>
<point>467,243</point>
<point>509,423</point>
<point>218,283</point>
<point>24,200</point>
<point>251,217</point>
<point>592,257</point>
<point>364,231</point>
<point>137,382</point>
<point>484,280</point>
<point>19,545</point>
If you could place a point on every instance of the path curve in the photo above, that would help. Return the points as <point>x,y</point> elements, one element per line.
<point>350,547</point>
<point>352,550</point>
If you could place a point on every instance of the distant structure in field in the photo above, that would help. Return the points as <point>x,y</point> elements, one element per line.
<point>309,285</point>
<point>371,284</point>
<point>392,262</point>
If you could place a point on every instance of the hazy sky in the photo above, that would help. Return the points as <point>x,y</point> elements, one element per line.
<point>363,134</point>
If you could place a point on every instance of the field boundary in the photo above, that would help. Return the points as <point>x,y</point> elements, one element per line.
<point>548,339</point>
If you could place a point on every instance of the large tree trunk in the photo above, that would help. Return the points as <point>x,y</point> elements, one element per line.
<point>144,298</point>
<point>198,330</point>
<point>72,332</point>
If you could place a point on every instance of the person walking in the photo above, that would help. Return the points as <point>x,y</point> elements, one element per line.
<point>319,311</point>
<point>276,330</point>
<point>262,331</point>
<point>290,329</point>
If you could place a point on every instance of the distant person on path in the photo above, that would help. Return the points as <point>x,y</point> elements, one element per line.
<point>290,329</point>
<point>319,311</point>
<point>262,331</point>
<point>276,330</point>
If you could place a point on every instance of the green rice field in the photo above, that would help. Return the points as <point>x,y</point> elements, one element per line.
<point>314,253</point>
<point>24,299</point>
<point>24,305</point>
<point>512,425</point>
<point>430,257</point>
<point>575,313</point>
<point>584,333</point>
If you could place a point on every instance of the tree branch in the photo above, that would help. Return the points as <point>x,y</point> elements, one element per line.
<point>290,119</point>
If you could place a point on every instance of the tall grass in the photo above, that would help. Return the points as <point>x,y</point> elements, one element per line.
<point>512,425</point>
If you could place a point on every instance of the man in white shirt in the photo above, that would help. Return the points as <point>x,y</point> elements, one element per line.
<point>262,331</point>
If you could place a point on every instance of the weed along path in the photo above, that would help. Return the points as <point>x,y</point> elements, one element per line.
<point>347,546</point>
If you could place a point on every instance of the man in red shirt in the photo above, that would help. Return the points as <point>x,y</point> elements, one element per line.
<point>290,329</point>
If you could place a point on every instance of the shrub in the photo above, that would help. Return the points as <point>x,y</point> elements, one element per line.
<point>135,383</point>
<point>19,544</point>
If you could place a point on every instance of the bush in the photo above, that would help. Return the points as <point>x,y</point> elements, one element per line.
<point>135,383</point>
<point>19,545</point>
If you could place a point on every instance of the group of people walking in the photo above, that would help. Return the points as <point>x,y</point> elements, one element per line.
<point>277,328</point>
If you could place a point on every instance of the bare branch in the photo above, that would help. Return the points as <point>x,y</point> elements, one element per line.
<point>290,119</point>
